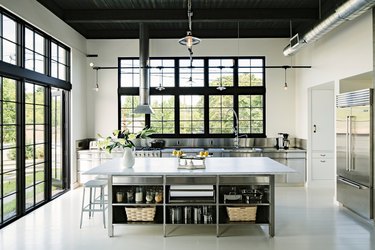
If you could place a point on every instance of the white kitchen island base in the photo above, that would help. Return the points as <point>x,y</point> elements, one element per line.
<point>224,178</point>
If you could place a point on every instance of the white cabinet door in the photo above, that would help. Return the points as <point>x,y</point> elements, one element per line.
<point>322,134</point>
<point>323,120</point>
<point>323,169</point>
<point>299,176</point>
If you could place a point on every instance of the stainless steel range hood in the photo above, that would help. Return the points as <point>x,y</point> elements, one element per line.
<point>144,85</point>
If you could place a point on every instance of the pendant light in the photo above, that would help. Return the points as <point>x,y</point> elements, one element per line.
<point>97,80</point>
<point>285,83</point>
<point>189,40</point>
<point>221,87</point>
<point>160,87</point>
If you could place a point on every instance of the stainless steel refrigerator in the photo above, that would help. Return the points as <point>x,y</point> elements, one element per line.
<point>354,147</point>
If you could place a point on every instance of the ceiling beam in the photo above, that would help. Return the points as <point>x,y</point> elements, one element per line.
<point>176,34</point>
<point>174,15</point>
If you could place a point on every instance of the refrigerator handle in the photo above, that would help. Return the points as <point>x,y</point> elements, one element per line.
<point>349,183</point>
<point>351,168</point>
<point>347,168</point>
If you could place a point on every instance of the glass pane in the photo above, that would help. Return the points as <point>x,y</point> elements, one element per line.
<point>54,69</point>
<point>29,179</point>
<point>10,206</point>
<point>62,72</point>
<point>256,114</point>
<point>244,101</point>
<point>9,113</point>
<point>39,44</point>
<point>196,74</point>
<point>39,190</point>
<point>29,39</point>
<point>29,60</point>
<point>256,101</point>
<point>29,197</point>
<point>9,90</point>
<point>9,29</point>
<point>256,79</point>
<point>198,127</point>
<point>29,112</point>
<point>29,93</point>
<point>39,114</point>
<point>29,134</point>
<point>9,182</point>
<point>185,127</point>
<point>39,173</point>
<point>39,63</point>
<point>39,153</point>
<point>39,94</point>
<point>197,114</point>
<point>9,136</point>
<point>39,134</point>
<point>257,127</point>
<point>62,55</point>
<point>29,154</point>
<point>54,51</point>
<point>9,52</point>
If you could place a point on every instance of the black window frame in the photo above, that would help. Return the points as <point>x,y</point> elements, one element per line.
<point>22,75</point>
<point>234,90</point>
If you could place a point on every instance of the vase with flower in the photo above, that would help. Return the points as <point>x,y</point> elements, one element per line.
<point>122,139</point>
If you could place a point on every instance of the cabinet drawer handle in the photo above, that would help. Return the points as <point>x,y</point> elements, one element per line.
<point>322,154</point>
<point>322,161</point>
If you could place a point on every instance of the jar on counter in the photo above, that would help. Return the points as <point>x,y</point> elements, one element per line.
<point>139,195</point>
<point>159,196</point>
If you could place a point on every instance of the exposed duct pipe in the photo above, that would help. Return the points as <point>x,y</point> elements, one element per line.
<point>348,11</point>
<point>144,84</point>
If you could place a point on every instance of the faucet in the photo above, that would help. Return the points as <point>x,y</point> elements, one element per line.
<point>235,129</point>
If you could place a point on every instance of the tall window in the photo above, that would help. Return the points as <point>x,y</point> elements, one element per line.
<point>33,126</point>
<point>35,143</point>
<point>198,99</point>
<point>9,148</point>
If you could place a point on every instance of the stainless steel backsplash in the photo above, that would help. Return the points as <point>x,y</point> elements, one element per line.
<point>222,142</point>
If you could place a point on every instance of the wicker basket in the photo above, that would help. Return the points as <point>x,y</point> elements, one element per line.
<point>242,213</point>
<point>140,213</point>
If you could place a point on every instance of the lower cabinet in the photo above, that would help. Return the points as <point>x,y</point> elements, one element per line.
<point>191,200</point>
<point>323,167</point>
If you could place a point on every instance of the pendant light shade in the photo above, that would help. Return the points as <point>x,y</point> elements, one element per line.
<point>189,40</point>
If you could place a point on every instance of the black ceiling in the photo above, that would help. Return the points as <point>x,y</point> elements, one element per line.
<point>101,19</point>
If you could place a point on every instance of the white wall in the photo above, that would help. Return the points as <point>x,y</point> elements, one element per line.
<point>37,15</point>
<point>346,51</point>
<point>103,104</point>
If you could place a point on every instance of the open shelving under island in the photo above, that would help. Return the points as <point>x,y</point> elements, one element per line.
<point>228,191</point>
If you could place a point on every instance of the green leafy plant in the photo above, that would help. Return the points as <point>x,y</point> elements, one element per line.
<point>122,139</point>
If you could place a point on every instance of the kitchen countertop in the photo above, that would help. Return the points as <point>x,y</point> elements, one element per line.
<point>214,166</point>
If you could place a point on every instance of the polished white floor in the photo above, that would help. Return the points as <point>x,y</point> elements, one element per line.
<point>306,218</point>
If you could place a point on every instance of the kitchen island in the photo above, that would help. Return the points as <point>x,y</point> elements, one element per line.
<point>229,180</point>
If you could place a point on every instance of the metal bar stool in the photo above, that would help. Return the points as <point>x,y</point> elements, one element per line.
<point>93,199</point>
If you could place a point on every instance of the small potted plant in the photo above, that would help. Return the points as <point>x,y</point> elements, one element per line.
<point>122,139</point>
